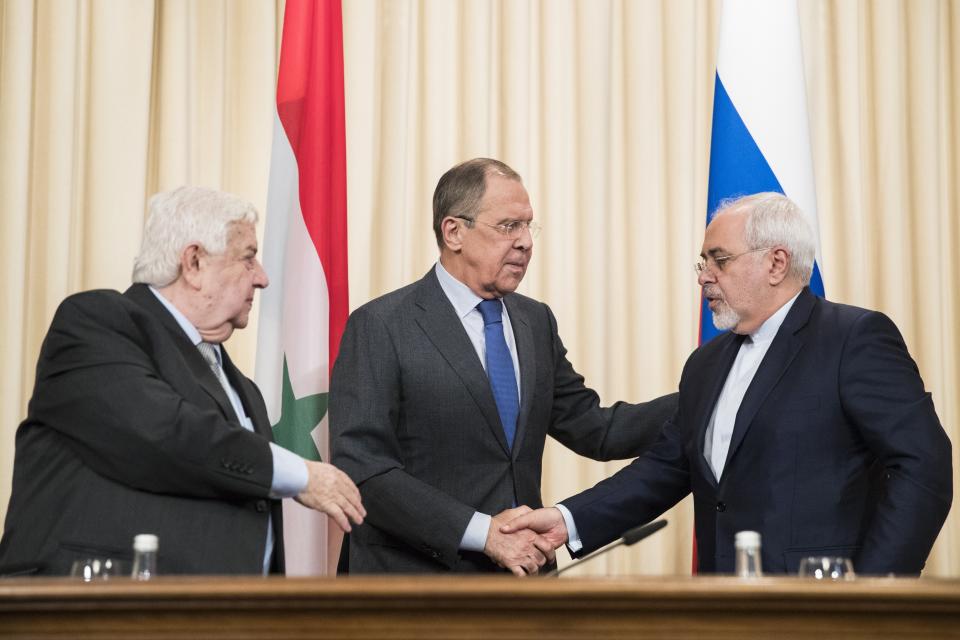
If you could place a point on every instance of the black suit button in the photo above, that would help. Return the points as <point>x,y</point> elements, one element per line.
<point>261,506</point>
<point>721,507</point>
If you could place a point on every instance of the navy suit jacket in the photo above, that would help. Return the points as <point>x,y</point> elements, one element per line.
<point>836,450</point>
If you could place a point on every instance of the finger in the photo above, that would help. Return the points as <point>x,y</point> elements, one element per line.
<point>518,571</point>
<point>531,567</point>
<point>543,545</point>
<point>353,499</point>
<point>352,513</point>
<point>516,524</point>
<point>538,557</point>
<point>334,511</point>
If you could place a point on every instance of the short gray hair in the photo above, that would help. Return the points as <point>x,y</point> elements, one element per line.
<point>179,218</point>
<point>772,219</point>
<point>460,190</point>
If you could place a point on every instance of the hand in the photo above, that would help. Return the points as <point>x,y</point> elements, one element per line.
<point>523,552</point>
<point>547,522</point>
<point>332,492</point>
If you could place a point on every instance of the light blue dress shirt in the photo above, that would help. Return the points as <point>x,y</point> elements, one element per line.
<point>465,303</point>
<point>289,470</point>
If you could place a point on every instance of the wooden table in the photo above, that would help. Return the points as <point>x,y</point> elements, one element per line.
<point>480,607</point>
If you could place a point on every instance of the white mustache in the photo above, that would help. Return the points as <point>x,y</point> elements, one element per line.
<point>712,293</point>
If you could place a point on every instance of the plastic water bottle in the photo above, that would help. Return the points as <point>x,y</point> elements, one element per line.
<point>747,544</point>
<point>145,556</point>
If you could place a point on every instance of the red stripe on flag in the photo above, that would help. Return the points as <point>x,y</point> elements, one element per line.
<point>310,103</point>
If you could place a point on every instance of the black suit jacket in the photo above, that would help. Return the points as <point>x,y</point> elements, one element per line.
<point>127,432</point>
<point>414,424</point>
<point>836,450</point>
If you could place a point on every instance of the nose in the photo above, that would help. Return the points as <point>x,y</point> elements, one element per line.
<point>260,279</point>
<point>705,277</point>
<point>525,240</point>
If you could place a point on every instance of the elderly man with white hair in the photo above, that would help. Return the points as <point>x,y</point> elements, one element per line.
<point>140,423</point>
<point>808,422</point>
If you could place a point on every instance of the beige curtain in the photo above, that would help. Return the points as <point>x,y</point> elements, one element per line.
<point>604,108</point>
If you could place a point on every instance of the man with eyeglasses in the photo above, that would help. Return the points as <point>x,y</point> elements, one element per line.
<point>807,423</point>
<point>444,392</point>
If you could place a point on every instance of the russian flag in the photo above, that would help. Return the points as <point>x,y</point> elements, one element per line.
<point>761,137</point>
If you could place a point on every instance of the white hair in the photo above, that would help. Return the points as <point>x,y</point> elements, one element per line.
<point>772,219</point>
<point>179,218</point>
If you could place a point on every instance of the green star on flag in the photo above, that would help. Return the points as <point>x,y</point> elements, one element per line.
<point>298,417</point>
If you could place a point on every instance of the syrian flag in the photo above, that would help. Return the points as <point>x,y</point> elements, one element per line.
<point>304,310</point>
<point>761,137</point>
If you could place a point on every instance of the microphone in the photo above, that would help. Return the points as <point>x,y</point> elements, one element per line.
<point>631,537</point>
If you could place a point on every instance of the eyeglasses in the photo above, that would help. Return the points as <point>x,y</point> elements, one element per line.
<point>719,262</point>
<point>512,229</point>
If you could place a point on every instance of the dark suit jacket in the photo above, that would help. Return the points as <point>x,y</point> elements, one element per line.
<point>414,424</point>
<point>836,450</point>
<point>127,432</point>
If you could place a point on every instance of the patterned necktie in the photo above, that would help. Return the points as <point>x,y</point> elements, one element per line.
<point>503,380</point>
<point>209,353</point>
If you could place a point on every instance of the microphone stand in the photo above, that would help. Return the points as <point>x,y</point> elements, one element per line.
<point>631,537</point>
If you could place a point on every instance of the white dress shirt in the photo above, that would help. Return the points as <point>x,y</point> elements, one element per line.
<point>716,441</point>
<point>465,303</point>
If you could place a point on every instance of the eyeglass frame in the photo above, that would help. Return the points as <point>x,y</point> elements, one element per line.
<point>702,265</point>
<point>532,226</point>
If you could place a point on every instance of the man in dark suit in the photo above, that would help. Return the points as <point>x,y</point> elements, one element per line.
<point>140,423</point>
<point>444,392</point>
<point>807,423</point>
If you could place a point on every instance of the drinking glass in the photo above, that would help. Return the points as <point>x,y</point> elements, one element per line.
<point>826,568</point>
<point>93,568</point>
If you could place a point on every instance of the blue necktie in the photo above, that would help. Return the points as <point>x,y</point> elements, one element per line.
<point>503,380</point>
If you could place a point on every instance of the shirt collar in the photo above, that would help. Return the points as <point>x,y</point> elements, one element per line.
<point>463,299</point>
<point>768,330</point>
<point>181,319</point>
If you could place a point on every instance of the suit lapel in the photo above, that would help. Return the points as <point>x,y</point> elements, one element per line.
<point>715,377</point>
<point>195,363</point>
<point>443,328</point>
<point>256,411</point>
<point>523,335</point>
<point>774,365</point>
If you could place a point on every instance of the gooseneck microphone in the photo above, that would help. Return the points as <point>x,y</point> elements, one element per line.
<point>632,536</point>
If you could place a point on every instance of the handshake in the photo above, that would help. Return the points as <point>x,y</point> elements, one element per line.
<point>523,540</point>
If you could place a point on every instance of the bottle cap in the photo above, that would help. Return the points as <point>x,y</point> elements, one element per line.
<point>145,542</point>
<point>745,539</point>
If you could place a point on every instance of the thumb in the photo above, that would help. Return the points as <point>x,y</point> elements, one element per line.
<point>516,524</point>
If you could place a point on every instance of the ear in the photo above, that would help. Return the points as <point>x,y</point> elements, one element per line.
<point>450,227</point>
<point>779,266</point>
<point>191,259</point>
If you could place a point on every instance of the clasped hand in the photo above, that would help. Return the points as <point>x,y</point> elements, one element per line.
<point>515,541</point>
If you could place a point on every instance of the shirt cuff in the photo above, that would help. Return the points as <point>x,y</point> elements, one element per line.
<point>475,537</point>
<point>289,473</point>
<point>573,538</point>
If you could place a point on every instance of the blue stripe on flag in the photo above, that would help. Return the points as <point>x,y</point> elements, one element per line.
<point>737,168</point>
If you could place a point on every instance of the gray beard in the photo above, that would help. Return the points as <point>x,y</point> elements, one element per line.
<point>725,318</point>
